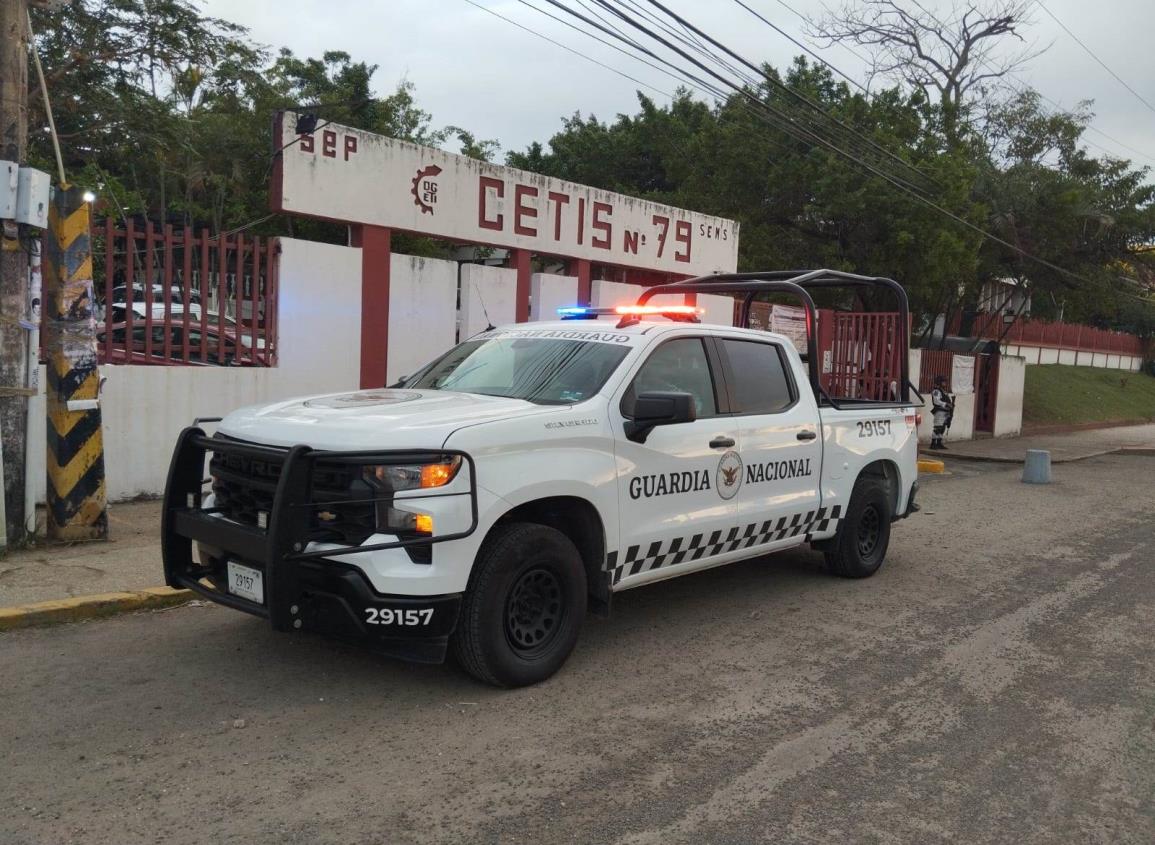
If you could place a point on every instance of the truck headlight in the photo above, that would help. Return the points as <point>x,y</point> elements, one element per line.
<point>397,477</point>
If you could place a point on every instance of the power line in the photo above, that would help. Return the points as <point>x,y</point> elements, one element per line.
<point>887,177</point>
<point>1091,53</point>
<point>1023,86</point>
<point>705,89</point>
<point>786,89</point>
<point>800,45</point>
<point>842,44</point>
<point>773,116</point>
<point>568,49</point>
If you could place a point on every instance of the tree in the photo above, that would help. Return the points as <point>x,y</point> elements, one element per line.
<point>951,60</point>
<point>1088,216</point>
<point>166,113</point>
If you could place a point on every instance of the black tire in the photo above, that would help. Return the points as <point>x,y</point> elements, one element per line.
<point>859,547</point>
<point>523,608</point>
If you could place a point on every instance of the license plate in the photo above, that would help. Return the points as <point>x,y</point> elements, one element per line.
<point>246,582</point>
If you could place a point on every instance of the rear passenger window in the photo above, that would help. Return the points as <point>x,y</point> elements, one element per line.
<point>758,381</point>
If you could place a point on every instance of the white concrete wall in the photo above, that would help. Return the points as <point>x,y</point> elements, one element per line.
<point>549,292</point>
<point>485,291</point>
<point>1009,400</point>
<point>1081,358</point>
<point>961,427</point>
<point>422,312</point>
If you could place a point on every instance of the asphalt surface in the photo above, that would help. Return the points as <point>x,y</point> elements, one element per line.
<point>995,682</point>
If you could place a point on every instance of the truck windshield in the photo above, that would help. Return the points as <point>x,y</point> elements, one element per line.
<point>546,371</point>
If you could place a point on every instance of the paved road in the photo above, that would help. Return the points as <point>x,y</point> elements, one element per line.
<point>995,683</point>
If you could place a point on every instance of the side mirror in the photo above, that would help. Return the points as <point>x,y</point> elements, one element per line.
<point>659,408</point>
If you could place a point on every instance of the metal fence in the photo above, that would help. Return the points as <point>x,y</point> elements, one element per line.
<point>862,354</point>
<point>935,362</point>
<point>1032,332</point>
<point>184,298</point>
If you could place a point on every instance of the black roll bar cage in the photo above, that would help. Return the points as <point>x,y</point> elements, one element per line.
<point>796,283</point>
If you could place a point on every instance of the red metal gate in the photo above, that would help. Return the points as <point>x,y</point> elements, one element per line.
<point>861,354</point>
<point>168,297</point>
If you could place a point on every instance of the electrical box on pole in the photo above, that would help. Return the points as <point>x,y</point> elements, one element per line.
<point>34,187</point>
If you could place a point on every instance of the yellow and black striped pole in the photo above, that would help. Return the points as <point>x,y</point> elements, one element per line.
<point>76,494</point>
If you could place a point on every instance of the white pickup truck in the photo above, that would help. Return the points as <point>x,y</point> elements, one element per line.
<point>531,472</point>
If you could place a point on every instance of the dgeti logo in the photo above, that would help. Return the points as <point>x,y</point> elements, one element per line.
<point>424,188</point>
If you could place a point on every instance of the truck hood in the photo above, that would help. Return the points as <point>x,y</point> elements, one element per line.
<point>372,419</point>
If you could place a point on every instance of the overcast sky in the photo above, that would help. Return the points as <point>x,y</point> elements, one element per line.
<point>473,70</point>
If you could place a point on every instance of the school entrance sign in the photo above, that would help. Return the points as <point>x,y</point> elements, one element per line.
<point>378,184</point>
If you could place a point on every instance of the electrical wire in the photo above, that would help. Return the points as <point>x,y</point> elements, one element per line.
<point>801,46</point>
<point>47,102</point>
<point>864,165</point>
<point>785,89</point>
<point>568,49</point>
<point>1023,86</point>
<point>791,122</point>
<point>1091,53</point>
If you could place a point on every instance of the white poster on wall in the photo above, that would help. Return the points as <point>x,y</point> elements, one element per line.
<point>962,378</point>
<point>790,320</point>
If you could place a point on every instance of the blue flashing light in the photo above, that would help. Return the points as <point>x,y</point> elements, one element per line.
<point>574,311</point>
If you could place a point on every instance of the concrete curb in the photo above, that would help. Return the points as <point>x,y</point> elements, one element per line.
<point>993,459</point>
<point>931,465</point>
<point>90,607</point>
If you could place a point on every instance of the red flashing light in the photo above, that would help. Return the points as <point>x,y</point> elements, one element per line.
<point>642,310</point>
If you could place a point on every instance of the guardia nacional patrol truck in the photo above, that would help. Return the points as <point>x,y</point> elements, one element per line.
<point>486,501</point>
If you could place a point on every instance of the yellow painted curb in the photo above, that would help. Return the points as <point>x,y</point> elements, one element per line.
<point>90,607</point>
<point>931,465</point>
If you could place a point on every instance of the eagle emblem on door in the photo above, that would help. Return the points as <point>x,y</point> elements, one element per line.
<point>729,479</point>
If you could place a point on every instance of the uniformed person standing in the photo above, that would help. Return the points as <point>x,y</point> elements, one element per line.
<point>942,405</point>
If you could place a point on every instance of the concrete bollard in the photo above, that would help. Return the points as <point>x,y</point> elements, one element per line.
<point>1037,469</point>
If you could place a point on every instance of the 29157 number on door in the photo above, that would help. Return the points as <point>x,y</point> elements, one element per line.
<point>409,617</point>
<point>873,428</point>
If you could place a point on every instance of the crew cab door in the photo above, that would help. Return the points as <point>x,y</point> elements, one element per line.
<point>676,491</point>
<point>780,442</point>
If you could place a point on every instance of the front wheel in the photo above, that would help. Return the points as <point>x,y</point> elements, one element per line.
<point>859,547</point>
<point>524,606</point>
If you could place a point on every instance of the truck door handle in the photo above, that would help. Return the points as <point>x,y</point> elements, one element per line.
<point>806,434</point>
<point>721,442</point>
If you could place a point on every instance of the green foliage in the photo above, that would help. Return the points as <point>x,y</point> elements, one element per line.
<point>166,113</point>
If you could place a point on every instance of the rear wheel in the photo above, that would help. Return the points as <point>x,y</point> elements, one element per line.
<point>524,606</point>
<point>860,545</point>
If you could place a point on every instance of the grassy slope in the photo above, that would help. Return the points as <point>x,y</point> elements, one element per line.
<point>1057,395</point>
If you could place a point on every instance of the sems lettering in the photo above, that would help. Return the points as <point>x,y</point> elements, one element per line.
<point>777,470</point>
<point>669,483</point>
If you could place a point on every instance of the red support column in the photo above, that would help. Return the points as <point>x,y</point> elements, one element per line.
<point>376,250</point>
<point>585,291</point>
<point>521,262</point>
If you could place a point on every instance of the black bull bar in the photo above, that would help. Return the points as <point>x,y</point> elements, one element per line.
<point>303,589</point>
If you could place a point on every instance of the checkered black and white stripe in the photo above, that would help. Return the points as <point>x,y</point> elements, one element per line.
<point>643,558</point>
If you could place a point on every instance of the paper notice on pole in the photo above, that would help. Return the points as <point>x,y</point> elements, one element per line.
<point>790,321</point>
<point>962,379</point>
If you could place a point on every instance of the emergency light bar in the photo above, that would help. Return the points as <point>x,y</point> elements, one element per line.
<point>632,313</point>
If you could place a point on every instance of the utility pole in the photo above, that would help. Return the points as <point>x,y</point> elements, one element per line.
<point>13,265</point>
